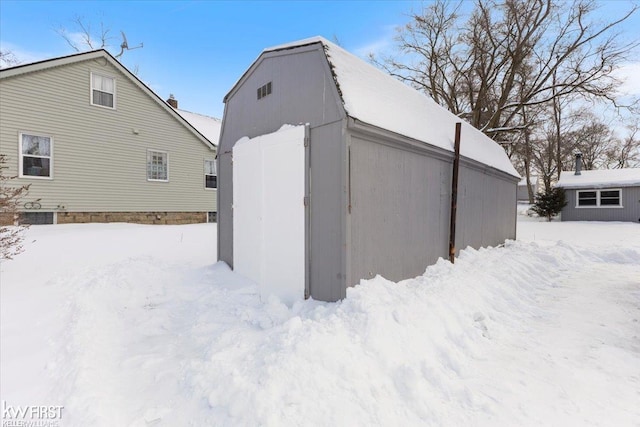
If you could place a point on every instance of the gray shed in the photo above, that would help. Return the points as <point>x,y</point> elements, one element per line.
<point>601,195</point>
<point>373,158</point>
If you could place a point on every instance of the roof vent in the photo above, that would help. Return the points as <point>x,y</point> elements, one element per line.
<point>264,90</point>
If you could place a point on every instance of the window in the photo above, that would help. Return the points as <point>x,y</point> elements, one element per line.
<point>157,166</point>
<point>610,198</point>
<point>103,90</point>
<point>35,155</point>
<point>212,216</point>
<point>210,176</point>
<point>587,198</point>
<point>599,198</point>
<point>37,218</point>
<point>264,90</point>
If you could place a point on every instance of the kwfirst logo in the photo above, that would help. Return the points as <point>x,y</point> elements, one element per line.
<point>31,416</point>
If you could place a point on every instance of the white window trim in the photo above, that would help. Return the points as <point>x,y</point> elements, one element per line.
<point>115,91</point>
<point>21,155</point>
<point>204,177</point>
<point>146,164</point>
<point>597,205</point>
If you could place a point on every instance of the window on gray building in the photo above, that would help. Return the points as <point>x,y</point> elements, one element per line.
<point>599,198</point>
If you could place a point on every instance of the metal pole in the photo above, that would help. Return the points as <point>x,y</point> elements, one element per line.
<point>454,196</point>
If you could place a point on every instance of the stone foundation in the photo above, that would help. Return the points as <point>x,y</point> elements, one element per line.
<point>7,219</point>
<point>135,217</point>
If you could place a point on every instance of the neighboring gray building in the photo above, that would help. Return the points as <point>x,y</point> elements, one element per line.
<point>601,195</point>
<point>377,169</point>
<point>97,145</point>
<point>523,190</point>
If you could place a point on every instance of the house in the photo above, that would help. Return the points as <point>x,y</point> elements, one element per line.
<point>209,127</point>
<point>331,171</point>
<point>601,195</point>
<point>97,145</point>
<point>523,190</point>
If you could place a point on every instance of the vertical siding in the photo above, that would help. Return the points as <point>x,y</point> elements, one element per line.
<point>630,210</point>
<point>303,91</point>
<point>401,203</point>
<point>399,196</point>
<point>523,192</point>
<point>327,217</point>
<point>486,209</point>
<point>99,163</point>
<point>399,217</point>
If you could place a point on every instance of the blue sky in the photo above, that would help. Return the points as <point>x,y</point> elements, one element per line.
<point>197,50</point>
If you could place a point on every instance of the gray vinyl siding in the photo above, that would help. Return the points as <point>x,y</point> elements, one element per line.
<point>379,201</point>
<point>99,164</point>
<point>303,91</point>
<point>523,192</point>
<point>486,212</point>
<point>401,201</point>
<point>630,210</point>
<point>328,212</point>
<point>399,216</point>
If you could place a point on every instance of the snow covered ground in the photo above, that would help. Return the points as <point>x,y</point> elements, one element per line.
<point>136,325</point>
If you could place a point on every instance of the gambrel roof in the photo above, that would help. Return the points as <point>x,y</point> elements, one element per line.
<point>101,53</point>
<point>373,97</point>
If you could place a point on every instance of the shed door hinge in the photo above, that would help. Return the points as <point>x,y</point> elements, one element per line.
<point>305,200</point>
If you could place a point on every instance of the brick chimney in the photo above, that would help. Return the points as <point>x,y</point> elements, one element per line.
<point>578,163</point>
<point>172,101</point>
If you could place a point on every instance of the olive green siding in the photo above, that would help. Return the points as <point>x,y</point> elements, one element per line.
<point>100,154</point>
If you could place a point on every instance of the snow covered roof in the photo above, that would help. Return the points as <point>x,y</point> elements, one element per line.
<point>629,177</point>
<point>208,126</point>
<point>102,53</point>
<point>374,97</point>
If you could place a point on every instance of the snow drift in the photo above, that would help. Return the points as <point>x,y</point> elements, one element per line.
<point>143,329</point>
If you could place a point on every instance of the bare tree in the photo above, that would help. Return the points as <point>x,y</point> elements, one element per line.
<point>594,140</point>
<point>543,154</point>
<point>11,232</point>
<point>625,152</point>
<point>548,156</point>
<point>475,68</point>
<point>8,59</point>
<point>88,37</point>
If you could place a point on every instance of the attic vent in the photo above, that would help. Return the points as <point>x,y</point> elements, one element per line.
<point>264,90</point>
